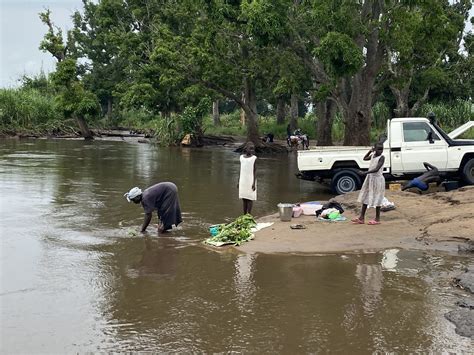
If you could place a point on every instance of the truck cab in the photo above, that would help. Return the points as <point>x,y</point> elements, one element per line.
<point>409,142</point>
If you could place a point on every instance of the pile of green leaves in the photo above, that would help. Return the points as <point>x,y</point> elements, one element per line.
<point>235,232</point>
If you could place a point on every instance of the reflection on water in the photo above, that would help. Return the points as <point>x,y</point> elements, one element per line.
<point>74,279</point>
<point>370,277</point>
<point>243,278</point>
<point>159,259</point>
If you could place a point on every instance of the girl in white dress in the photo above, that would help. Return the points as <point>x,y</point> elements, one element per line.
<point>373,190</point>
<point>247,179</point>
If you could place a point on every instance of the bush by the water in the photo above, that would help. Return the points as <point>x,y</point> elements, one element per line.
<point>28,110</point>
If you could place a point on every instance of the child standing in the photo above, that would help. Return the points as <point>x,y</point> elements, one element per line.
<point>247,178</point>
<point>373,190</point>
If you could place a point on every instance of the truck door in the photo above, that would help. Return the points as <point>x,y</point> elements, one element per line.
<point>421,143</point>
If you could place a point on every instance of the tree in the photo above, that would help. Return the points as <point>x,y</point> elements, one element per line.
<point>422,47</point>
<point>98,33</point>
<point>72,99</point>
<point>341,43</point>
<point>291,79</point>
<point>216,47</point>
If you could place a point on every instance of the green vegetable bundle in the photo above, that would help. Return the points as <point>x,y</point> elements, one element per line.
<point>235,232</point>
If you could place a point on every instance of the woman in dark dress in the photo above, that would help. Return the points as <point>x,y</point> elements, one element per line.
<point>162,197</point>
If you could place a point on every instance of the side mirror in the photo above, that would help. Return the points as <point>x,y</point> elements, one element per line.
<point>430,137</point>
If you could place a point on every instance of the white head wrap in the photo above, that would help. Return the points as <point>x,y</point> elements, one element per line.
<point>136,191</point>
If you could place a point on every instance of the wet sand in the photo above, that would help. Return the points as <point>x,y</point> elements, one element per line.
<point>441,221</point>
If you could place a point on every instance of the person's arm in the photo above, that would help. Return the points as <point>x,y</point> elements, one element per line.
<point>377,168</point>
<point>428,166</point>
<point>146,222</point>
<point>368,154</point>
<point>254,173</point>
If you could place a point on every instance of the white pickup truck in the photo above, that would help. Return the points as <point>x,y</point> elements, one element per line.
<point>409,143</point>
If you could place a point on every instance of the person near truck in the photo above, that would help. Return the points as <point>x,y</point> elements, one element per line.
<point>422,182</point>
<point>373,190</point>
<point>162,197</point>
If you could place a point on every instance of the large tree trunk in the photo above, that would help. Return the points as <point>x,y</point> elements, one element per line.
<point>293,112</point>
<point>215,113</point>
<point>85,131</point>
<point>402,97</point>
<point>109,109</point>
<point>251,115</point>
<point>242,112</point>
<point>280,111</point>
<point>356,94</point>
<point>358,112</point>
<point>325,110</point>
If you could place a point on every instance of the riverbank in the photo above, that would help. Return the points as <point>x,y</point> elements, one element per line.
<point>442,221</point>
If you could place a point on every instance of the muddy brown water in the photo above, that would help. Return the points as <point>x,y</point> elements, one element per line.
<point>75,279</point>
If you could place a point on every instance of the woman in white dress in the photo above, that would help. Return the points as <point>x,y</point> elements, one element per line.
<point>247,178</point>
<point>373,190</point>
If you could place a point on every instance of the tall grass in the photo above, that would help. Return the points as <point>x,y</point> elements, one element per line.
<point>452,115</point>
<point>28,111</point>
<point>141,119</point>
<point>230,125</point>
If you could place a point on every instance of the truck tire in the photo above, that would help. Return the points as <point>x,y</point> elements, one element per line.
<point>468,172</point>
<point>345,181</point>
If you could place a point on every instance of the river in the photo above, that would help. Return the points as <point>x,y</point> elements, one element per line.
<point>74,276</point>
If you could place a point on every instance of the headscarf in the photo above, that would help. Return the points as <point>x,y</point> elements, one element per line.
<point>136,191</point>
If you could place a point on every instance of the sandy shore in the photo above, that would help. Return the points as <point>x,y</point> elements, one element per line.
<point>436,221</point>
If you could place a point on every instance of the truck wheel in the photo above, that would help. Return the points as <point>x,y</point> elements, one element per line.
<point>468,172</point>
<point>345,181</point>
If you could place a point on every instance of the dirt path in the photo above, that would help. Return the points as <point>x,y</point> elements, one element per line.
<point>436,221</point>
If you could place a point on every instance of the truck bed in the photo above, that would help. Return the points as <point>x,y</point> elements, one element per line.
<point>323,158</point>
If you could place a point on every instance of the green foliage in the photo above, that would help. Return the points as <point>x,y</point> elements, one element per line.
<point>166,130</point>
<point>53,41</point>
<point>39,82</point>
<point>236,232</point>
<point>136,118</point>
<point>72,99</point>
<point>138,95</point>
<point>192,117</point>
<point>65,74</point>
<point>380,115</point>
<point>265,19</point>
<point>340,55</point>
<point>28,110</point>
<point>452,115</point>
<point>230,125</point>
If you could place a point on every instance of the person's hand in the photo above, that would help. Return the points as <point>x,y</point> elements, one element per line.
<point>253,187</point>
<point>161,228</point>
<point>362,173</point>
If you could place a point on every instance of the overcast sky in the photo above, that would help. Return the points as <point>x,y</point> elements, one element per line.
<point>21,32</point>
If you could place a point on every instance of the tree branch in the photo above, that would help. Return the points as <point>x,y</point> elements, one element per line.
<point>420,101</point>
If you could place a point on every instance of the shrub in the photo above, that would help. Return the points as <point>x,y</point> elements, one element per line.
<point>27,110</point>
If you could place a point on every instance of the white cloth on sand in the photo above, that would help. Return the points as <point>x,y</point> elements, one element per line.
<point>246,178</point>
<point>373,189</point>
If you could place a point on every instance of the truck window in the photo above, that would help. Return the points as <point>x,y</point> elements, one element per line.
<point>417,132</point>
